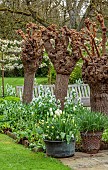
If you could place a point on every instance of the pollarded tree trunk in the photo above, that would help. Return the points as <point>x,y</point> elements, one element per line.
<point>99,97</point>
<point>32,51</point>
<point>60,45</point>
<point>95,66</point>
<point>95,73</point>
<point>61,87</point>
<point>30,68</point>
<point>28,86</point>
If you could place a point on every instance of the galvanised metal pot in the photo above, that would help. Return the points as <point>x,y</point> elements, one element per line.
<point>60,149</point>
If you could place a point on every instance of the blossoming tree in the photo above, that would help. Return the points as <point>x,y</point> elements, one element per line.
<point>9,53</point>
<point>32,52</point>
<point>95,66</point>
<point>63,53</point>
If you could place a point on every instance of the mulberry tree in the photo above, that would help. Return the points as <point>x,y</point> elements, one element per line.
<point>31,56</point>
<point>95,66</point>
<point>62,50</point>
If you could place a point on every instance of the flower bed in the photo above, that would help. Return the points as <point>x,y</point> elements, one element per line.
<point>42,119</point>
<point>23,120</point>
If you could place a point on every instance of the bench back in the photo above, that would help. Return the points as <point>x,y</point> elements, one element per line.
<point>82,91</point>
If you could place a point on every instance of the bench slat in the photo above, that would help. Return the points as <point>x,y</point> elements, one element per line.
<point>82,91</point>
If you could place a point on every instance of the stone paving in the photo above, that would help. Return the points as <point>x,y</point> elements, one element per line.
<point>83,161</point>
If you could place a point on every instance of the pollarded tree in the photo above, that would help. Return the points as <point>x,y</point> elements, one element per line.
<point>95,66</point>
<point>32,52</point>
<point>62,50</point>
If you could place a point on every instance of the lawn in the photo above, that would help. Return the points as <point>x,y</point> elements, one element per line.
<point>16,157</point>
<point>19,81</point>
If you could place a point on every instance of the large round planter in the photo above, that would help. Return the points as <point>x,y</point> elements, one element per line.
<point>91,141</point>
<point>60,149</point>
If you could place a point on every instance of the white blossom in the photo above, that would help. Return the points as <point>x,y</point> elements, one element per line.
<point>58,112</point>
<point>50,109</point>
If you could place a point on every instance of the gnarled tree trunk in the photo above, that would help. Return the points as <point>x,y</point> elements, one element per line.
<point>32,51</point>
<point>99,97</point>
<point>95,73</point>
<point>63,53</point>
<point>95,66</point>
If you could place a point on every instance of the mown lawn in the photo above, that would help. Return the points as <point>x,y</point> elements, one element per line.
<point>15,157</point>
<point>19,81</point>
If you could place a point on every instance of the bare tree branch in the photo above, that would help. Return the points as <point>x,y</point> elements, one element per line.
<point>88,10</point>
<point>35,16</point>
<point>14,11</point>
<point>80,4</point>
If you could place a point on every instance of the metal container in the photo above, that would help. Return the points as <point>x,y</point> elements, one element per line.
<point>60,149</point>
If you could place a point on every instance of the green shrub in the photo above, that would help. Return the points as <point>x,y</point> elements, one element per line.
<point>42,72</point>
<point>1,100</point>
<point>15,72</point>
<point>76,74</point>
<point>1,106</point>
<point>11,98</point>
<point>105,135</point>
<point>53,75</point>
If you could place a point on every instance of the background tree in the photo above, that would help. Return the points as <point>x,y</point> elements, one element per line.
<point>95,66</point>
<point>13,16</point>
<point>16,14</point>
<point>7,50</point>
<point>64,55</point>
<point>32,52</point>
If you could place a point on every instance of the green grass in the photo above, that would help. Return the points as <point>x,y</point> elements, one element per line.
<point>19,81</point>
<point>15,157</point>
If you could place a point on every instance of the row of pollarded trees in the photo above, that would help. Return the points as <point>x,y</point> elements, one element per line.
<point>64,48</point>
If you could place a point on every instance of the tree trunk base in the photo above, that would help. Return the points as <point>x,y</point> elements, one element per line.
<point>61,87</point>
<point>28,87</point>
<point>99,98</point>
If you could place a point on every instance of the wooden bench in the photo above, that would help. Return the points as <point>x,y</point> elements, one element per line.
<point>82,91</point>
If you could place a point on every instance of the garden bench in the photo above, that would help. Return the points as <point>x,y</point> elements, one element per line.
<point>82,91</point>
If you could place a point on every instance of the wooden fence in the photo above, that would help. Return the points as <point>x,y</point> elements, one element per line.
<point>82,91</point>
